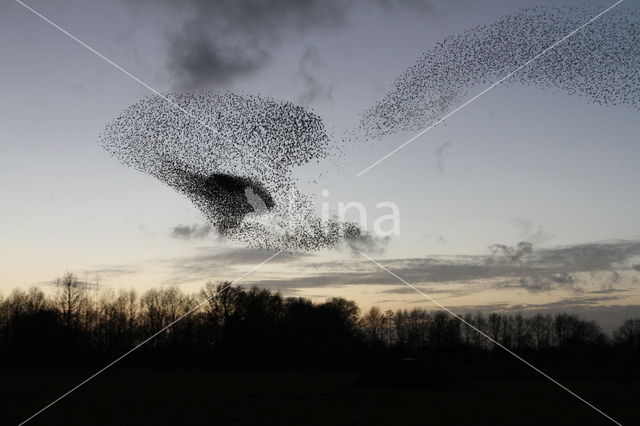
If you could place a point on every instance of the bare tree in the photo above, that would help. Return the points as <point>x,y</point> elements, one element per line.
<point>373,323</point>
<point>70,298</point>
<point>541,331</point>
<point>628,334</point>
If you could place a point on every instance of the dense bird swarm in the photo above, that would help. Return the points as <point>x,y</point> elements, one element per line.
<point>233,155</point>
<point>601,62</point>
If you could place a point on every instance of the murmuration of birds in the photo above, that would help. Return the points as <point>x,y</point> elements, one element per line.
<point>600,63</point>
<point>233,155</point>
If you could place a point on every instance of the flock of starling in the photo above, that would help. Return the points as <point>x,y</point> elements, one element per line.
<point>600,62</point>
<point>233,155</point>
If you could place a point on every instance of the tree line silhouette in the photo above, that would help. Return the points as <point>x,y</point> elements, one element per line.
<point>223,325</point>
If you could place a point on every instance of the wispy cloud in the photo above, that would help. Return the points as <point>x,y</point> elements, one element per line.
<point>195,231</point>
<point>439,154</point>
<point>531,233</point>
<point>310,63</point>
<point>367,242</point>
<point>220,263</point>
<point>579,269</point>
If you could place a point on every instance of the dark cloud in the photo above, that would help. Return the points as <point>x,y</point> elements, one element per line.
<point>195,61</point>
<point>636,267</point>
<point>189,232</point>
<point>501,254</point>
<point>221,40</point>
<point>538,271</point>
<point>540,283</point>
<point>548,269</point>
<point>591,257</point>
<point>368,243</point>
<point>537,281</point>
<point>218,41</point>
<point>452,275</point>
<point>423,6</point>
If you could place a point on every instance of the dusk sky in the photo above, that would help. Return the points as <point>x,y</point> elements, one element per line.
<point>520,164</point>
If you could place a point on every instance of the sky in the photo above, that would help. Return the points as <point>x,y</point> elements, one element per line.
<point>520,164</point>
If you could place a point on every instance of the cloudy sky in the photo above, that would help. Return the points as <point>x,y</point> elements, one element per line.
<point>520,164</point>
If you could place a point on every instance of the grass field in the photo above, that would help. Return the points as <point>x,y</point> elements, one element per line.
<point>247,397</point>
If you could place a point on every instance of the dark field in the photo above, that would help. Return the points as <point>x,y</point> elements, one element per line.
<point>252,357</point>
<point>251,397</point>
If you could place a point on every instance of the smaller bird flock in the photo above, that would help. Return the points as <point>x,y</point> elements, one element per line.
<point>600,63</point>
